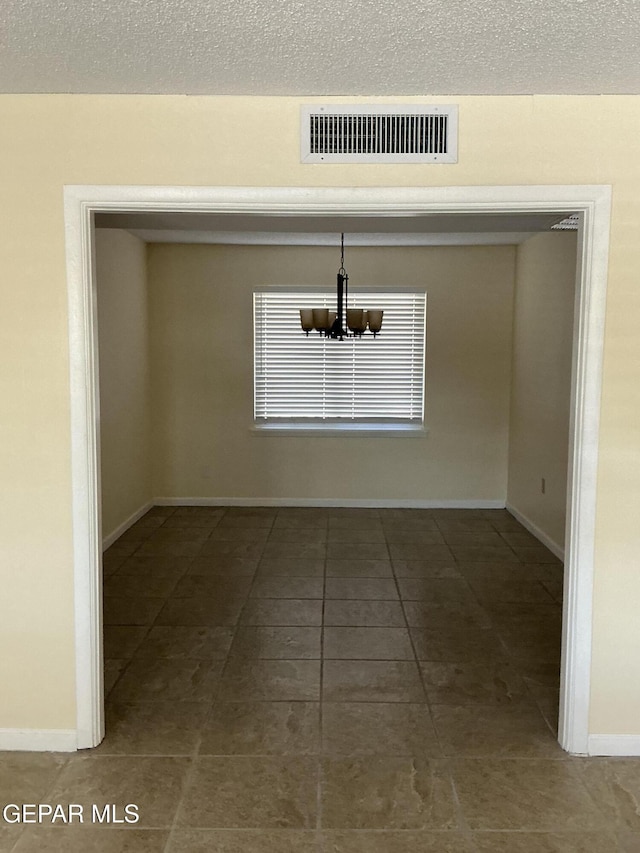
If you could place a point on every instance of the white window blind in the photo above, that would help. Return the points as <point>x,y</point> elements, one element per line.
<point>315,378</point>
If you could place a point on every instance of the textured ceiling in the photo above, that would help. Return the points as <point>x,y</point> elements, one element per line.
<point>338,47</point>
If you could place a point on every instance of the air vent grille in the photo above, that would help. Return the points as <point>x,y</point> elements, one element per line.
<point>386,134</point>
<point>571,223</point>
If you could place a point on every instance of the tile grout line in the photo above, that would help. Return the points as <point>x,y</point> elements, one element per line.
<point>148,627</point>
<point>512,660</point>
<point>191,772</point>
<point>320,761</point>
<point>195,755</point>
<point>236,627</point>
<point>461,824</point>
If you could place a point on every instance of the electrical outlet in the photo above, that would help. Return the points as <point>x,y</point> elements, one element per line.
<point>543,486</point>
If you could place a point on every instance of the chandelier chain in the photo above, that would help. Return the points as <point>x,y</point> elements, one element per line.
<point>342,270</point>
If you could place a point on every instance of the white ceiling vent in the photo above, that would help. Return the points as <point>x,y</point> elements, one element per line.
<point>571,223</point>
<point>394,133</point>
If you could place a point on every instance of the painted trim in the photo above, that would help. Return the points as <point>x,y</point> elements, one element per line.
<point>275,238</point>
<point>592,202</point>
<point>579,541</point>
<point>38,740</point>
<point>621,745</point>
<point>307,201</point>
<point>547,541</point>
<point>332,502</point>
<point>85,470</point>
<point>129,522</point>
<point>363,431</point>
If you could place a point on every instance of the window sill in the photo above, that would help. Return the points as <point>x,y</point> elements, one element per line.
<point>368,430</point>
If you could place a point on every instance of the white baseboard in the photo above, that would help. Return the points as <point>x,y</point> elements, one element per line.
<point>620,745</point>
<point>334,502</point>
<point>39,740</point>
<point>556,549</point>
<point>122,528</point>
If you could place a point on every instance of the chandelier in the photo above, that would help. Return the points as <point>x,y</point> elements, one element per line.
<point>331,324</point>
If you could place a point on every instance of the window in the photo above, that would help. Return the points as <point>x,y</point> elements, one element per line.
<point>315,382</point>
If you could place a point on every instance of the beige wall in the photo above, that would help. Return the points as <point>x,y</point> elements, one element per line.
<point>541,380</point>
<point>123,338</point>
<point>202,344</point>
<point>49,141</point>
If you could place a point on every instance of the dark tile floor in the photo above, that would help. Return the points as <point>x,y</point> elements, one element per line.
<point>335,681</point>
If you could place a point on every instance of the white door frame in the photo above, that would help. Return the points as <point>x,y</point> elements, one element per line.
<point>593,202</point>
